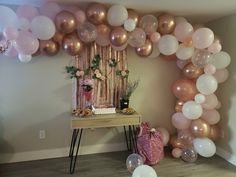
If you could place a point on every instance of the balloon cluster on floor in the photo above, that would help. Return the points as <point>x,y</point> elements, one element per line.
<point>197,51</point>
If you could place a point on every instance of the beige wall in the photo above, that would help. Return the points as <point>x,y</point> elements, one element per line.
<point>225,28</point>
<point>36,96</point>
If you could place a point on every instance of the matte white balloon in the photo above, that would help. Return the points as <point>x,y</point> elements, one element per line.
<point>184,53</point>
<point>7,17</point>
<point>144,171</point>
<point>116,15</point>
<point>192,110</point>
<point>220,60</point>
<point>43,27</point>
<point>24,58</point>
<point>168,44</point>
<point>204,147</point>
<point>206,84</point>
<point>200,98</point>
<point>129,25</point>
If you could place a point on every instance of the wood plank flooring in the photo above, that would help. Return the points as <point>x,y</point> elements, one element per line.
<point>113,165</point>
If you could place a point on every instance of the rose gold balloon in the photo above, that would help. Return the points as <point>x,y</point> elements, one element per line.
<point>49,47</point>
<point>176,143</point>
<point>178,106</point>
<point>145,50</point>
<point>166,23</point>
<point>96,13</point>
<point>118,36</point>
<point>103,33</point>
<point>215,132</point>
<point>169,57</point>
<point>184,89</point>
<point>200,128</point>
<point>133,15</point>
<point>188,42</point>
<point>65,22</point>
<point>176,152</point>
<point>192,71</point>
<point>58,37</point>
<point>72,45</point>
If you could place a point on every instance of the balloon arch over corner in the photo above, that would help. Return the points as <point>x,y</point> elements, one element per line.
<point>197,53</point>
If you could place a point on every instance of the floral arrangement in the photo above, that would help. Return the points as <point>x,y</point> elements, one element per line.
<point>87,85</point>
<point>131,87</point>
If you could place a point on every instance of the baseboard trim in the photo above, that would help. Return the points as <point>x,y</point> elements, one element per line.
<point>59,152</point>
<point>226,155</point>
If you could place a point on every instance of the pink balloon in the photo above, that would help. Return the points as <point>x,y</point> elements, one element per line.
<point>202,38</point>
<point>11,52</point>
<point>221,75</point>
<point>10,33</point>
<point>155,37</point>
<point>50,9</point>
<point>210,69</point>
<point>27,11</point>
<point>215,47</point>
<point>179,121</point>
<point>26,43</point>
<point>176,152</point>
<point>80,16</point>
<point>211,116</point>
<point>137,38</point>
<point>183,30</point>
<point>210,102</point>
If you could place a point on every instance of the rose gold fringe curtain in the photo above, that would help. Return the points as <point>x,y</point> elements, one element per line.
<point>106,93</point>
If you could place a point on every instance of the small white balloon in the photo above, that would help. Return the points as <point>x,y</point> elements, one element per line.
<point>144,171</point>
<point>220,60</point>
<point>23,24</point>
<point>206,84</point>
<point>192,110</point>
<point>129,24</point>
<point>200,98</point>
<point>184,53</point>
<point>204,147</point>
<point>168,44</point>
<point>24,58</point>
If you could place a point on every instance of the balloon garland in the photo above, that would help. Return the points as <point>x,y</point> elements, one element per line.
<point>197,52</point>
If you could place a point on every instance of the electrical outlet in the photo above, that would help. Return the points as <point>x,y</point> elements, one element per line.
<point>42,134</point>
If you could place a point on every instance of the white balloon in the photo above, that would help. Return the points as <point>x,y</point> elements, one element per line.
<point>221,75</point>
<point>43,27</point>
<point>7,17</point>
<point>168,44</point>
<point>200,98</point>
<point>129,24</point>
<point>204,147</point>
<point>116,15</point>
<point>24,58</point>
<point>166,135</point>
<point>206,84</point>
<point>144,171</point>
<point>192,110</point>
<point>23,24</point>
<point>184,53</point>
<point>202,38</point>
<point>220,60</point>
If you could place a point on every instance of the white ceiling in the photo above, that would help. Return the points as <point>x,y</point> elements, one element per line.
<point>196,10</point>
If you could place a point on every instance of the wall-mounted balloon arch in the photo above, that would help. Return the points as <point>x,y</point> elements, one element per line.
<point>197,52</point>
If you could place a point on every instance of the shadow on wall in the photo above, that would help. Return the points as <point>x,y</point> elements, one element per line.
<point>5,147</point>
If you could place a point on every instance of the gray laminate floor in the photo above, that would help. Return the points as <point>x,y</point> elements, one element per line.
<point>113,165</point>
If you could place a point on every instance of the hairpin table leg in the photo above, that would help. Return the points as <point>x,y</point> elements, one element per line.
<point>73,138</point>
<point>126,139</point>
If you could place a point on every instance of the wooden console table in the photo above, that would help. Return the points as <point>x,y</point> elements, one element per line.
<point>101,121</point>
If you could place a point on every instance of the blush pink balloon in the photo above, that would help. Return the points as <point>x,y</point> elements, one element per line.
<point>26,43</point>
<point>215,47</point>
<point>10,33</point>
<point>210,69</point>
<point>211,116</point>
<point>155,37</point>
<point>179,121</point>
<point>183,30</point>
<point>221,75</point>
<point>176,153</point>
<point>80,16</point>
<point>210,102</point>
<point>27,11</point>
<point>203,38</point>
<point>50,9</point>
